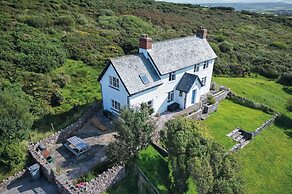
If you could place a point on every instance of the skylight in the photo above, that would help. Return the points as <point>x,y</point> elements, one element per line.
<point>144,78</point>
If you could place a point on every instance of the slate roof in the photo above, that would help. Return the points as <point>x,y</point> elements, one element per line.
<point>130,67</point>
<point>172,55</point>
<point>186,82</point>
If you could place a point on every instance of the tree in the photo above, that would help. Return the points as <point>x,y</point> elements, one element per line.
<point>134,128</point>
<point>192,156</point>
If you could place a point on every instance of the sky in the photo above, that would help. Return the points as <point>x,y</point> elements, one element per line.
<point>225,1</point>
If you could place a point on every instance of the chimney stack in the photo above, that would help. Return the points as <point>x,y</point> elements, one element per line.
<point>201,33</point>
<point>145,42</point>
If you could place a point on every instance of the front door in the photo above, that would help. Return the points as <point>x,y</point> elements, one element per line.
<point>194,92</point>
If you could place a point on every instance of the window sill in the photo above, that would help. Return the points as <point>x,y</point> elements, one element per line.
<point>117,111</point>
<point>114,88</point>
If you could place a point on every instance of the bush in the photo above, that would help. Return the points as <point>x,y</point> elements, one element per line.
<point>279,45</point>
<point>225,47</point>
<point>37,21</point>
<point>286,78</point>
<point>289,104</point>
<point>268,70</point>
<point>220,38</point>
<point>211,99</point>
<point>13,156</point>
<point>64,21</point>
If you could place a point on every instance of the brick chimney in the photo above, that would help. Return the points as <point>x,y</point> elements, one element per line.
<point>201,33</point>
<point>145,42</point>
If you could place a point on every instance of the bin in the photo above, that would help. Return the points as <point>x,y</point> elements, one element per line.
<point>34,171</point>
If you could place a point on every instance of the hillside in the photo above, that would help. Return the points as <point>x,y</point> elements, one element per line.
<point>52,51</point>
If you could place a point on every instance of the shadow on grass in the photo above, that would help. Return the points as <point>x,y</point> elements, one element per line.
<point>285,123</point>
<point>59,121</point>
<point>287,90</point>
<point>156,169</point>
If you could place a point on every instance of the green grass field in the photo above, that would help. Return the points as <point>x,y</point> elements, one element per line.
<point>155,168</point>
<point>266,160</point>
<point>260,90</point>
<point>228,117</point>
<point>266,163</point>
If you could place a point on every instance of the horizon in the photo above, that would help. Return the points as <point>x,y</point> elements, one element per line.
<point>227,1</point>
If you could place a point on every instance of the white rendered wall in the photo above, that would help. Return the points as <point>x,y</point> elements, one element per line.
<point>109,93</point>
<point>158,94</point>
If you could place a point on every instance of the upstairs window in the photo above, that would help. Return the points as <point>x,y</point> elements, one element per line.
<point>114,82</point>
<point>170,96</point>
<point>196,68</point>
<point>206,64</point>
<point>172,76</point>
<point>116,105</point>
<point>204,79</point>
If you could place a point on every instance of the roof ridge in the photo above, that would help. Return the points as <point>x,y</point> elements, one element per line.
<point>125,56</point>
<point>174,39</point>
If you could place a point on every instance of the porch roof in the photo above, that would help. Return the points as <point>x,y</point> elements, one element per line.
<point>186,82</point>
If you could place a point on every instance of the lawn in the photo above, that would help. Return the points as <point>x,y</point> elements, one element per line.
<point>155,168</point>
<point>260,90</point>
<point>266,160</point>
<point>228,117</point>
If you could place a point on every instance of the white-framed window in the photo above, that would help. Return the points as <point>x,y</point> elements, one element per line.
<point>205,64</point>
<point>114,82</point>
<point>203,80</point>
<point>172,76</point>
<point>116,105</point>
<point>196,68</point>
<point>180,93</point>
<point>170,96</point>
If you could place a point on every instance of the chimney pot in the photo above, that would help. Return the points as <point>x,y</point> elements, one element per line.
<point>201,33</point>
<point>145,42</point>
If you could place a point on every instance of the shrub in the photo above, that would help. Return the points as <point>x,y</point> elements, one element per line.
<point>211,99</point>
<point>279,45</point>
<point>220,38</point>
<point>268,70</point>
<point>286,78</point>
<point>37,21</point>
<point>64,21</point>
<point>225,47</point>
<point>13,156</point>
<point>289,104</point>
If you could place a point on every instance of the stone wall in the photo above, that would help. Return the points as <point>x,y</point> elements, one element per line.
<point>264,125</point>
<point>145,186</point>
<point>98,185</point>
<point>249,103</point>
<point>48,169</point>
<point>220,95</point>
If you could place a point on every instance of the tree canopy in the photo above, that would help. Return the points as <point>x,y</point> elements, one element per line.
<point>134,128</point>
<point>193,156</point>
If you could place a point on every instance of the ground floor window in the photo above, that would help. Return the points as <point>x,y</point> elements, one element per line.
<point>116,105</point>
<point>170,96</point>
<point>180,93</point>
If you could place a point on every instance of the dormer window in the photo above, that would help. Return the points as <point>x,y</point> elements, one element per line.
<point>196,68</point>
<point>172,76</point>
<point>206,64</point>
<point>144,78</point>
<point>114,82</point>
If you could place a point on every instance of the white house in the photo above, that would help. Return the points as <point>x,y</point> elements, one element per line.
<point>162,73</point>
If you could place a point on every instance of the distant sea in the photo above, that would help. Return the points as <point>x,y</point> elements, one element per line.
<point>280,8</point>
